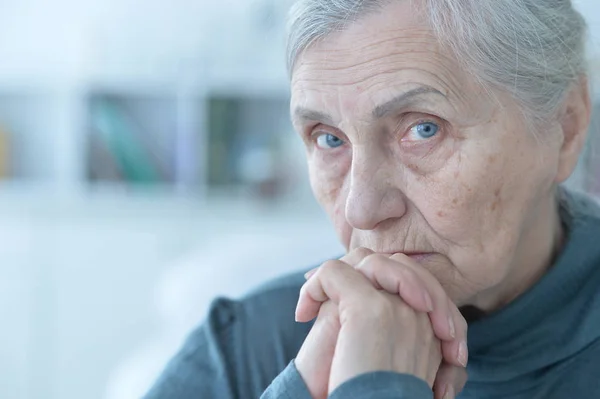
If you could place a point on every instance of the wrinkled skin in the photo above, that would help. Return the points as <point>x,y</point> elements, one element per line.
<point>409,155</point>
<point>478,196</point>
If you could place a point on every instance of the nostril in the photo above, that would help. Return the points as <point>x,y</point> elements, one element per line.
<point>360,216</point>
<point>367,209</point>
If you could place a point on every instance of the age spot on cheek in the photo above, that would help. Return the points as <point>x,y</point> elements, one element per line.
<point>497,200</point>
<point>413,167</point>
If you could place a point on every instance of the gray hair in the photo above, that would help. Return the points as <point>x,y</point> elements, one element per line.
<point>532,49</point>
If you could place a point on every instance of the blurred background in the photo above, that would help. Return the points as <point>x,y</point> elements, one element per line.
<point>147,164</point>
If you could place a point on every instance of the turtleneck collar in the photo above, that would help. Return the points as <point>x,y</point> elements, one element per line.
<point>557,317</point>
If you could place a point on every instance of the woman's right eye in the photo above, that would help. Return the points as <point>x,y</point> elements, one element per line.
<point>328,141</point>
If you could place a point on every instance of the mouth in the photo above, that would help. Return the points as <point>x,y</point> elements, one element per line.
<point>420,257</point>
<point>417,256</point>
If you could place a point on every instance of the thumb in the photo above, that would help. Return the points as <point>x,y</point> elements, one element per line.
<point>316,354</point>
<point>449,381</point>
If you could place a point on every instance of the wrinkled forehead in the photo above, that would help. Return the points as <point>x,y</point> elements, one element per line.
<point>378,58</point>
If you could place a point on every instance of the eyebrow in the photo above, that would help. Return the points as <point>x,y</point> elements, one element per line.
<point>305,114</point>
<point>404,100</point>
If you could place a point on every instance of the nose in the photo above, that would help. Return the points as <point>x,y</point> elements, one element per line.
<point>374,195</point>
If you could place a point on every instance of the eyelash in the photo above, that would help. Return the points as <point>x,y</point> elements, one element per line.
<point>423,118</point>
<point>318,130</point>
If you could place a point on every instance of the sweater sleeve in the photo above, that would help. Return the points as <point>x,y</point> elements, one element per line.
<point>383,385</point>
<point>288,385</point>
<point>379,385</point>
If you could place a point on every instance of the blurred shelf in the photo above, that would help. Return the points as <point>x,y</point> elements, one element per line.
<point>51,130</point>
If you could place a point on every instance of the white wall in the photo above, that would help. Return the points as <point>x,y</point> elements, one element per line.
<point>591,10</point>
<point>70,38</point>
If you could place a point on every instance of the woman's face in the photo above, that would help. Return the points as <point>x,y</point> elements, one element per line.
<point>408,154</point>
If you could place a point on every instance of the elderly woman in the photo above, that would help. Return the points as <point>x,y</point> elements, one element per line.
<point>437,133</point>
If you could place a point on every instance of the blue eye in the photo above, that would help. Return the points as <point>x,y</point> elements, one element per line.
<point>329,141</point>
<point>424,131</point>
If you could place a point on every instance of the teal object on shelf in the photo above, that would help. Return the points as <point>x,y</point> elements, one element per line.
<point>132,158</point>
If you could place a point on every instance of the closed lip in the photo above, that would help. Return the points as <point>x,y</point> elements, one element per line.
<point>407,253</point>
<point>420,256</point>
<point>413,255</point>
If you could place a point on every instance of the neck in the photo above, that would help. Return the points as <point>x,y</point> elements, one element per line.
<point>536,252</point>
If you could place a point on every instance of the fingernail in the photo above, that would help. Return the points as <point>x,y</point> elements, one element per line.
<point>449,392</point>
<point>428,301</point>
<point>311,273</point>
<point>463,355</point>
<point>452,326</point>
<point>296,312</point>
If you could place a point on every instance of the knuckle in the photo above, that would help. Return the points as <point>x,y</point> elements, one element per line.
<point>373,262</point>
<point>362,252</point>
<point>407,274</point>
<point>436,291</point>
<point>331,266</point>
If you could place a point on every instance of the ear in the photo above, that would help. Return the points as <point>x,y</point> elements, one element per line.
<point>574,122</point>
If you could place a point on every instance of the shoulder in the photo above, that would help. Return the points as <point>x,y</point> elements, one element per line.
<point>241,347</point>
<point>266,310</point>
<point>285,289</point>
<point>257,334</point>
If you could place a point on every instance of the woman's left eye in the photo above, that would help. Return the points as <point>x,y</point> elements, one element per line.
<point>424,131</point>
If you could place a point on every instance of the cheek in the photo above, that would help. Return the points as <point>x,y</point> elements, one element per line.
<point>328,180</point>
<point>479,206</point>
<point>470,206</point>
<point>463,202</point>
<point>464,210</point>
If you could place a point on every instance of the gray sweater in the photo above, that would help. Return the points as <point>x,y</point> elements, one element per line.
<point>544,345</point>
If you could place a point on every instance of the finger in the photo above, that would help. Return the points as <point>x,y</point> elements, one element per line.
<point>335,280</point>
<point>399,275</point>
<point>456,351</point>
<point>352,258</point>
<point>447,321</point>
<point>410,286</point>
<point>449,381</point>
<point>314,359</point>
<point>386,274</point>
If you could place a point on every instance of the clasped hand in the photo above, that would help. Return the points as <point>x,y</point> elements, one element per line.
<point>379,313</point>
